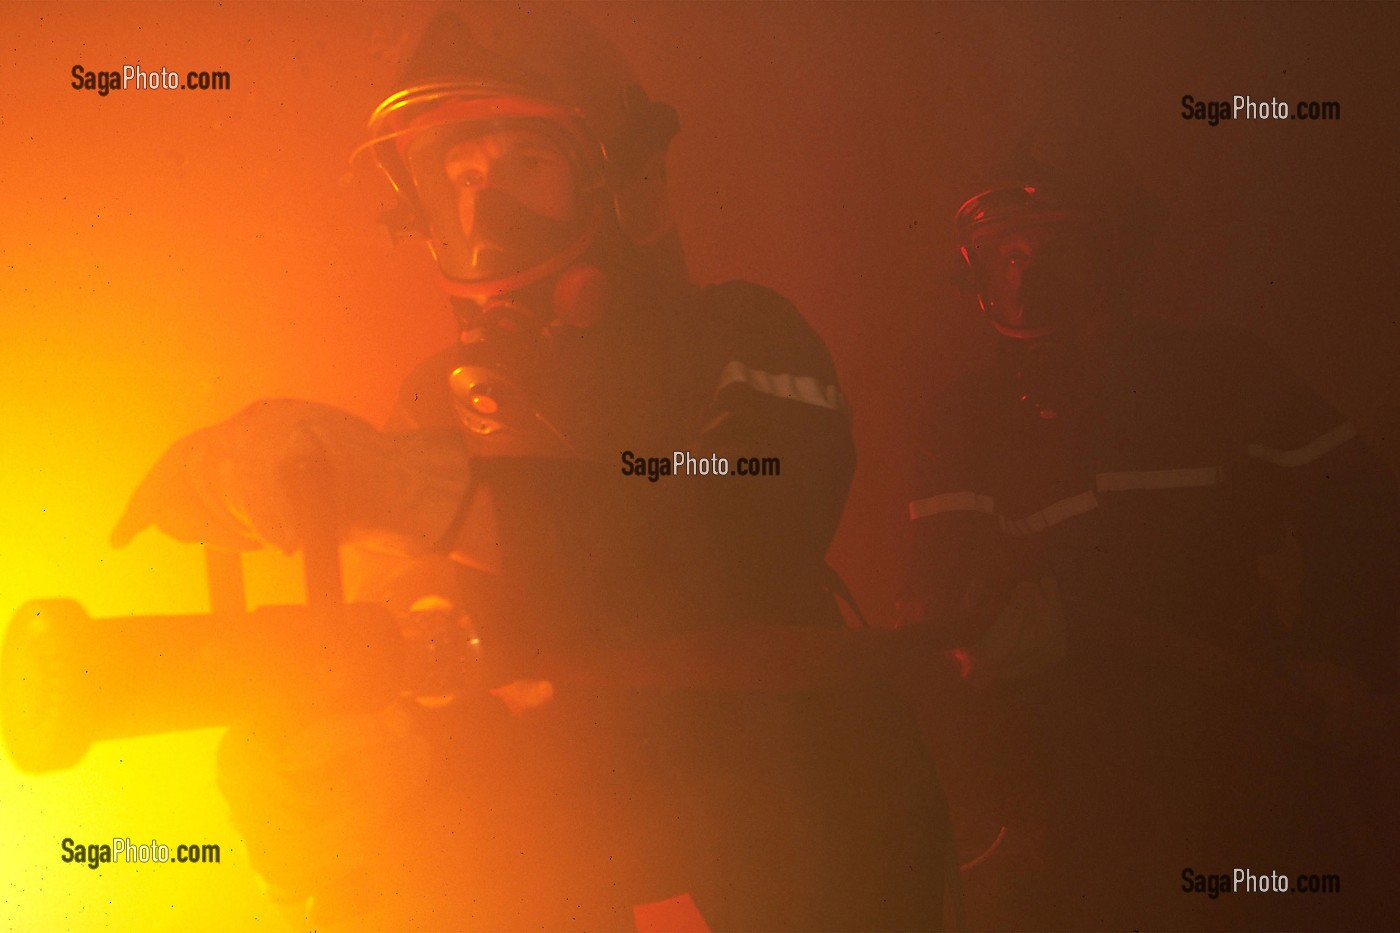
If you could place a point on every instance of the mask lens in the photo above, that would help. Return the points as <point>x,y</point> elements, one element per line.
<point>1037,276</point>
<point>501,197</point>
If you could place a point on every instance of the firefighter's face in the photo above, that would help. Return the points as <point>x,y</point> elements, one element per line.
<point>1041,277</point>
<point>501,201</point>
<point>524,165</point>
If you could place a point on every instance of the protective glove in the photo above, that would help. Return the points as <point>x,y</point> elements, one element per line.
<point>227,485</point>
<point>1027,637</point>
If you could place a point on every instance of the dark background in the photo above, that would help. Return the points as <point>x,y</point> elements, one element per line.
<point>166,257</point>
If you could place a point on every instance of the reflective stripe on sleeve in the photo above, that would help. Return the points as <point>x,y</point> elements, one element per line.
<point>805,389</point>
<point>1157,479</point>
<point>1308,452</point>
<point>951,502</point>
<point>1071,506</point>
<point>1122,481</point>
<point>1052,514</point>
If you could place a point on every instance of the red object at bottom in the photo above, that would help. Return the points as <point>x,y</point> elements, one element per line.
<point>674,915</point>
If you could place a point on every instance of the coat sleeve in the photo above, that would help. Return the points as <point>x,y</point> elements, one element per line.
<point>1339,500</point>
<point>959,557</point>
<point>767,400</point>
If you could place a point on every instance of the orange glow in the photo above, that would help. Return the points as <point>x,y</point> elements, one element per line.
<point>167,258</point>
<point>55,507</point>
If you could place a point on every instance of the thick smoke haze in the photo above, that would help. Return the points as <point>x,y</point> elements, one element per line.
<point>168,257</point>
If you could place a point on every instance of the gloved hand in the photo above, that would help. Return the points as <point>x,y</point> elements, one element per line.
<point>226,485</point>
<point>1026,638</point>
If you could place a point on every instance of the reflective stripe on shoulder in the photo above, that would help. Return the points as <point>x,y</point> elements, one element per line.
<point>1308,452</point>
<point>805,389</point>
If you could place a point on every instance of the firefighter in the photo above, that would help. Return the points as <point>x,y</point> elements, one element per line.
<point>665,722</point>
<point>1156,480</point>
